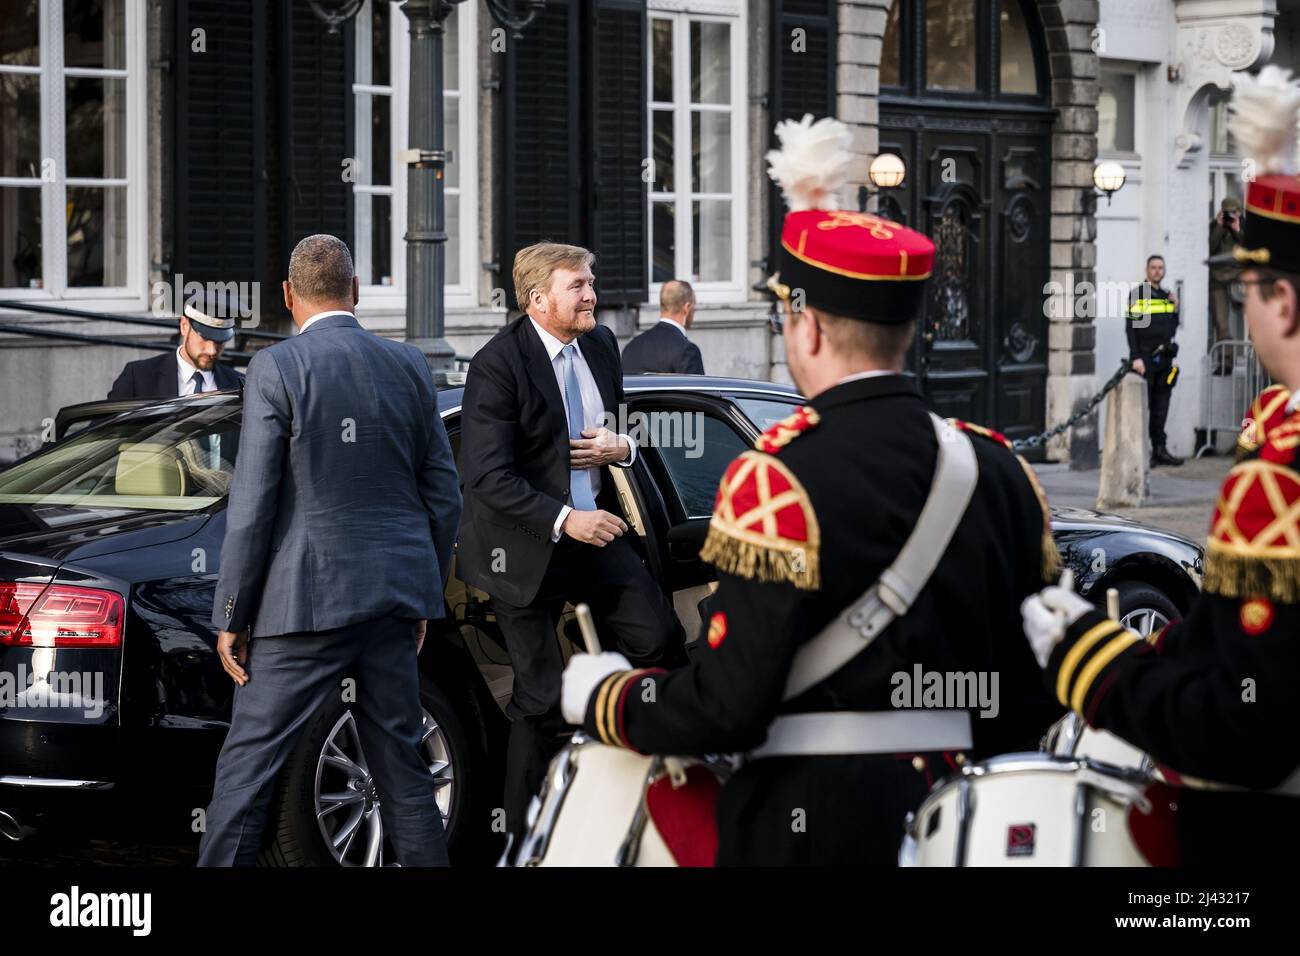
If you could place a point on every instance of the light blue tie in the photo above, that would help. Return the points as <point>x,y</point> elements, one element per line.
<point>581,496</point>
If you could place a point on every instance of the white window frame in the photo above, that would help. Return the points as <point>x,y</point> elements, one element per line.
<point>681,13</point>
<point>464,293</point>
<point>54,239</point>
<point>1135,70</point>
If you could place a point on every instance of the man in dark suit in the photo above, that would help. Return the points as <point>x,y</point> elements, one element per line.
<point>540,527</point>
<point>339,532</point>
<point>664,346</point>
<point>205,328</point>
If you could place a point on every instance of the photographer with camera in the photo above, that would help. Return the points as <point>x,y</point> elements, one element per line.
<point>1225,232</point>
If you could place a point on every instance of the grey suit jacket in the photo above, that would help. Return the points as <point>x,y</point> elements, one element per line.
<point>344,503</point>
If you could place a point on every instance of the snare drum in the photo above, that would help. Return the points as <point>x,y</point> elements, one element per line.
<point>1072,737</point>
<point>1038,810</point>
<point>605,806</point>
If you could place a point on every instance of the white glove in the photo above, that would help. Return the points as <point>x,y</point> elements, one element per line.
<point>584,673</point>
<point>1047,615</point>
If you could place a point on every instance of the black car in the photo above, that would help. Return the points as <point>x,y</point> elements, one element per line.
<point>110,541</point>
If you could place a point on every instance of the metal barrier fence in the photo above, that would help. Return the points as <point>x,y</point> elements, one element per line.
<point>1232,377</point>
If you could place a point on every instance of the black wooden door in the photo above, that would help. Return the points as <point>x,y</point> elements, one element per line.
<point>978,185</point>
<point>964,101</point>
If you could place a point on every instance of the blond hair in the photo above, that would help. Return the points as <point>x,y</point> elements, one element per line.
<point>535,264</point>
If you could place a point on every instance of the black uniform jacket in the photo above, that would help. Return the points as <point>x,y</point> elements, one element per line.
<point>1152,322</point>
<point>802,526</point>
<point>156,378</point>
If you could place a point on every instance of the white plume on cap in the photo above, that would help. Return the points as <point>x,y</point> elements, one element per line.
<point>813,162</point>
<point>1265,119</point>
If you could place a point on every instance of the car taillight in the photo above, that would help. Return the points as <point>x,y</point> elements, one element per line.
<point>61,615</point>
<point>16,599</point>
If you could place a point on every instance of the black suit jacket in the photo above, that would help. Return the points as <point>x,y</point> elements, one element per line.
<point>514,457</point>
<point>661,349</point>
<point>156,378</point>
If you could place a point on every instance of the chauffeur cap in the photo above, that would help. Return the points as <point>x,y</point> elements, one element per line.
<point>213,316</point>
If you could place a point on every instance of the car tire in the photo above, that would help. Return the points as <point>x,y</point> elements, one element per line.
<point>293,836</point>
<point>1143,607</point>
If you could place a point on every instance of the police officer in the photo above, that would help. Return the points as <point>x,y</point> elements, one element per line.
<point>802,525</point>
<point>206,326</point>
<point>1152,322</point>
<point>1212,698</point>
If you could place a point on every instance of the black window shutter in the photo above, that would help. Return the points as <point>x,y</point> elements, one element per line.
<point>542,186</point>
<point>617,113</point>
<point>219,215</point>
<point>804,80</point>
<point>315,127</point>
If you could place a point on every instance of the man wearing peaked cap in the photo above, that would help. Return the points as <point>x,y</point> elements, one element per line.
<point>205,328</point>
<point>1212,698</point>
<point>802,525</point>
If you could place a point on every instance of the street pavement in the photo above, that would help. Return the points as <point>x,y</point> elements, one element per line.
<point>1181,499</point>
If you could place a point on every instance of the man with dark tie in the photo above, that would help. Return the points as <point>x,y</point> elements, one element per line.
<point>205,328</point>
<point>664,346</point>
<point>540,525</point>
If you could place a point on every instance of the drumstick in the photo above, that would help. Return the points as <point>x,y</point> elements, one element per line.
<point>588,629</point>
<point>1112,603</point>
<point>1067,579</point>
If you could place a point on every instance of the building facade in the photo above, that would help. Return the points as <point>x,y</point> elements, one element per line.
<point>1166,68</point>
<point>199,141</point>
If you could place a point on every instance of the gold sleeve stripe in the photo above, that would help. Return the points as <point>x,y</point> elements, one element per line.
<point>1076,653</point>
<point>601,695</point>
<point>611,708</point>
<point>1117,646</point>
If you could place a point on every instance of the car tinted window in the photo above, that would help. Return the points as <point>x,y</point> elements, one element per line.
<point>695,453</point>
<point>766,412</point>
<point>162,462</point>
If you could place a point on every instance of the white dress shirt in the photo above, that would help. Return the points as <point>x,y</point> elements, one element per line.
<point>874,373</point>
<point>593,406</point>
<point>185,376</point>
<point>674,323</point>
<point>320,315</point>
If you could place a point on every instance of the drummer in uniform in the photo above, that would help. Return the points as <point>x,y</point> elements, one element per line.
<point>802,525</point>
<point>1213,698</point>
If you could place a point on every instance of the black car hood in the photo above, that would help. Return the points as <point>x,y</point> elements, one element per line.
<point>56,534</point>
<point>1082,519</point>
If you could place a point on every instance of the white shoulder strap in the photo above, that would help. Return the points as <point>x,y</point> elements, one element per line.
<point>955,475</point>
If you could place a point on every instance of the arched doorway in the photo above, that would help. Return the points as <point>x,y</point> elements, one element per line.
<point>965,100</point>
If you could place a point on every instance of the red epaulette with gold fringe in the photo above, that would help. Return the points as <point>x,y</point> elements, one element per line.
<point>1254,544</point>
<point>788,429</point>
<point>1266,413</point>
<point>1051,556</point>
<point>763,525</point>
<point>974,429</point>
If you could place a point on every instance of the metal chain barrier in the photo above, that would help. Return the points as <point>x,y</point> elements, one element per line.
<point>1035,440</point>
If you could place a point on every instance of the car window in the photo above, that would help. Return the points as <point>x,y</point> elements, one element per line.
<point>163,462</point>
<point>694,456</point>
<point>766,412</point>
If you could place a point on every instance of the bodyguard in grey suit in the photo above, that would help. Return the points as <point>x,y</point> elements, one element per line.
<point>339,531</point>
